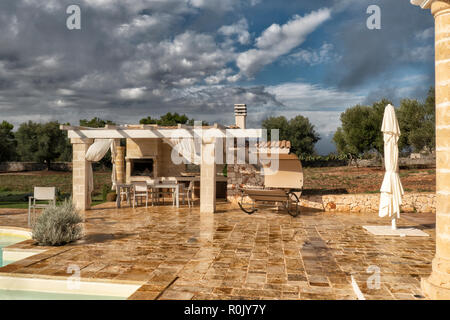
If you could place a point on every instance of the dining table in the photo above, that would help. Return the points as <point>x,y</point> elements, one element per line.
<point>166,185</point>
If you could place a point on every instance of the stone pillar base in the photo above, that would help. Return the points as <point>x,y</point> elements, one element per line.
<point>434,292</point>
<point>437,286</point>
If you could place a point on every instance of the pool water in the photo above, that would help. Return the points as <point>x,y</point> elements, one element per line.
<point>7,240</point>
<point>35,295</point>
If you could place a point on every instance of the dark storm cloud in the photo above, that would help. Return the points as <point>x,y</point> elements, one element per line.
<point>367,55</point>
<point>135,58</point>
<point>132,58</point>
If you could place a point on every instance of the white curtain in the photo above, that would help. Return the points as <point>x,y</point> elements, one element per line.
<point>113,161</point>
<point>187,148</point>
<point>95,153</point>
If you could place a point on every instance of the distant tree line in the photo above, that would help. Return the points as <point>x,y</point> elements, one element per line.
<point>360,129</point>
<point>46,143</point>
<point>35,142</point>
<point>360,132</point>
<point>298,130</point>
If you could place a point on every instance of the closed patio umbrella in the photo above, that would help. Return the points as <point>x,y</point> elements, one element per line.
<point>391,188</point>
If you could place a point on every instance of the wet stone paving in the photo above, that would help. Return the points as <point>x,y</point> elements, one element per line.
<point>182,254</point>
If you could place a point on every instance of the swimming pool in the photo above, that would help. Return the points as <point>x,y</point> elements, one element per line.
<point>37,295</point>
<point>22,288</point>
<point>6,239</point>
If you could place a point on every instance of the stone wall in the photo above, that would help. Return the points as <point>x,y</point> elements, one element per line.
<point>240,176</point>
<point>34,166</point>
<point>155,149</point>
<point>423,162</point>
<point>356,203</point>
<point>412,202</point>
<point>167,168</point>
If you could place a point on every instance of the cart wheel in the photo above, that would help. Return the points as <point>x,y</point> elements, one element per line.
<point>247,207</point>
<point>292,205</point>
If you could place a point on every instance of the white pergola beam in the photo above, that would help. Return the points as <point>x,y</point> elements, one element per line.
<point>161,133</point>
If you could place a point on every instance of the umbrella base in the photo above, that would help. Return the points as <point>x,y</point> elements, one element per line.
<point>401,232</point>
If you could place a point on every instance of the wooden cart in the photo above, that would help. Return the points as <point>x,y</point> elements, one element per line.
<point>283,184</point>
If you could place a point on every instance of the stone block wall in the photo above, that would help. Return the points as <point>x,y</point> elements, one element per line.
<point>120,164</point>
<point>167,168</point>
<point>240,176</point>
<point>412,202</point>
<point>358,203</point>
<point>156,149</point>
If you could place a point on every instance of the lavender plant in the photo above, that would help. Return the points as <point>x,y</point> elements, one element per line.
<point>58,225</point>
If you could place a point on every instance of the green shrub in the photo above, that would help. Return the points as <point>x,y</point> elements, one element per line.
<point>5,189</point>
<point>58,225</point>
<point>105,190</point>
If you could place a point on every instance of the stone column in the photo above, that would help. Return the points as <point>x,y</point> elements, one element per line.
<point>120,164</point>
<point>437,286</point>
<point>128,171</point>
<point>80,173</point>
<point>208,177</point>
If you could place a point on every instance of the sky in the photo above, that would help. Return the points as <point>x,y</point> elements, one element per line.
<point>137,58</point>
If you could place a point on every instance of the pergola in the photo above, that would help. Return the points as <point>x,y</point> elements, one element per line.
<point>82,137</point>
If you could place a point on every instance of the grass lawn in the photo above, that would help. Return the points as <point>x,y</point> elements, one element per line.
<point>16,187</point>
<point>338,180</point>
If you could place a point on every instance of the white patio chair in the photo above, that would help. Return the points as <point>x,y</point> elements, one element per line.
<point>187,192</point>
<point>140,190</point>
<point>153,192</point>
<point>123,194</point>
<point>40,194</point>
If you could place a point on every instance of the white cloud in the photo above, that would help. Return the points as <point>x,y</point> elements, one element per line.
<point>95,81</point>
<point>425,34</point>
<point>222,5</point>
<point>173,7</point>
<point>240,29</point>
<point>65,92</point>
<point>60,103</point>
<point>415,78</point>
<point>278,40</point>
<point>49,61</point>
<point>13,27</point>
<point>187,59</point>
<point>322,106</point>
<point>132,93</point>
<point>48,5</point>
<point>419,54</point>
<point>138,24</point>
<point>324,54</point>
<point>218,77</point>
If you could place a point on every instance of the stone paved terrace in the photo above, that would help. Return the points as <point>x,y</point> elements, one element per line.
<point>182,254</point>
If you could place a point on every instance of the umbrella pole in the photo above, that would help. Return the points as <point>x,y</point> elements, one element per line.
<point>394,223</point>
